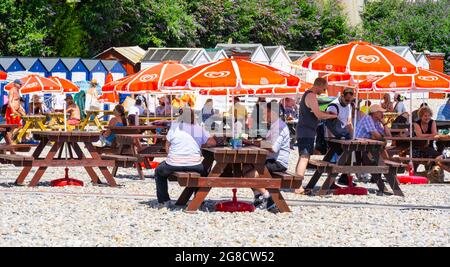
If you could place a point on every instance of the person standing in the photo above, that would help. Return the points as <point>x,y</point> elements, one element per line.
<point>92,98</point>
<point>14,111</point>
<point>309,116</point>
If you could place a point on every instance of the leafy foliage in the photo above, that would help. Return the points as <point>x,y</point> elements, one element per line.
<point>422,25</point>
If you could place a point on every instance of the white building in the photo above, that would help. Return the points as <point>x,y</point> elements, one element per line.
<point>216,54</point>
<point>422,60</point>
<point>256,52</point>
<point>190,56</point>
<point>279,58</point>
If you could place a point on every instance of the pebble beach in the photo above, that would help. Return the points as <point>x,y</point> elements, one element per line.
<point>127,216</point>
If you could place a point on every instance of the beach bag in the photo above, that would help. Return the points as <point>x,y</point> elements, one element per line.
<point>335,126</point>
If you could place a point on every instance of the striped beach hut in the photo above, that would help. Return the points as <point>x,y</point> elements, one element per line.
<point>96,69</point>
<point>11,64</point>
<point>55,67</point>
<point>78,72</point>
<point>33,64</point>
<point>115,67</point>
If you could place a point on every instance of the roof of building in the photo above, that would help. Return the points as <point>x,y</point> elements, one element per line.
<point>401,50</point>
<point>70,62</point>
<point>230,48</point>
<point>183,55</point>
<point>90,63</point>
<point>27,62</point>
<point>133,53</point>
<point>109,64</point>
<point>49,62</point>
<point>296,55</point>
<point>6,62</point>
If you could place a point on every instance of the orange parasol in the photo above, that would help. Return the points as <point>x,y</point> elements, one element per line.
<point>35,84</point>
<point>66,85</point>
<point>359,58</point>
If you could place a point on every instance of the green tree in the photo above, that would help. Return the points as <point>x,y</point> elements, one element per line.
<point>422,25</point>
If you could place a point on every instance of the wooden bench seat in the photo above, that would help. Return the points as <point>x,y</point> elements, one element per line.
<point>120,160</point>
<point>16,148</point>
<point>16,160</point>
<point>327,167</point>
<point>288,180</point>
<point>407,159</point>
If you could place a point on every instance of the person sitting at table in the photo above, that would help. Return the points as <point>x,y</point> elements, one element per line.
<point>207,114</point>
<point>185,140</point>
<point>399,106</point>
<point>290,109</point>
<point>415,116</point>
<point>37,107</point>
<point>277,142</point>
<point>73,110</point>
<point>256,122</point>
<point>444,111</point>
<point>164,108</point>
<point>372,126</point>
<point>425,127</point>
<point>387,103</point>
<point>135,111</point>
<point>107,137</point>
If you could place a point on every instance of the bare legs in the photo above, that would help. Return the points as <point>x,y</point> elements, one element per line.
<point>302,164</point>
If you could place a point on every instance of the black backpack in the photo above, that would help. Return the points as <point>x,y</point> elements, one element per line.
<point>335,126</point>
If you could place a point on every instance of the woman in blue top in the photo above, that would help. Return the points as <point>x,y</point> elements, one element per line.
<point>119,119</point>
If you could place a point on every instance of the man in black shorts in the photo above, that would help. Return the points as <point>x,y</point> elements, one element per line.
<point>308,120</point>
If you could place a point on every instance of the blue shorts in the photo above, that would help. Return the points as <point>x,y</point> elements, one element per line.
<point>305,146</point>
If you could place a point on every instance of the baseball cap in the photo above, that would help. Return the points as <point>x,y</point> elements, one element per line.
<point>69,97</point>
<point>375,108</point>
<point>348,91</point>
<point>18,81</point>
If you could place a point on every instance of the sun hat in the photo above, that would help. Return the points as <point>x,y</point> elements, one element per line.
<point>94,81</point>
<point>376,108</point>
<point>17,81</point>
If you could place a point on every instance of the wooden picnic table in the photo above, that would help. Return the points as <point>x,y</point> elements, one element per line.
<point>402,152</point>
<point>369,161</point>
<point>132,152</point>
<point>56,120</point>
<point>229,172</point>
<point>32,123</point>
<point>93,117</point>
<point>76,158</point>
<point>139,129</point>
<point>9,146</point>
<point>442,124</point>
<point>158,118</point>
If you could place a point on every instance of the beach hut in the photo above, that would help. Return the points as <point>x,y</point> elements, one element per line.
<point>78,72</point>
<point>11,64</point>
<point>278,57</point>
<point>188,56</point>
<point>115,68</point>
<point>129,56</point>
<point>422,60</point>
<point>256,52</point>
<point>55,67</point>
<point>216,53</point>
<point>33,64</point>
<point>96,69</point>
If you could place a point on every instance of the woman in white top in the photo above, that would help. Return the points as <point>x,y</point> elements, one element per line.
<point>184,142</point>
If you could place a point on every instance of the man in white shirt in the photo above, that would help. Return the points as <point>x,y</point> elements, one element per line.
<point>278,143</point>
<point>135,111</point>
<point>185,140</point>
<point>342,108</point>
